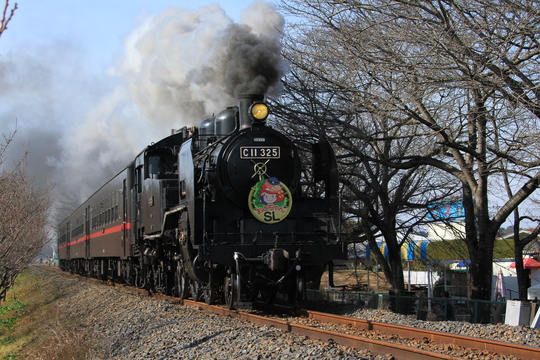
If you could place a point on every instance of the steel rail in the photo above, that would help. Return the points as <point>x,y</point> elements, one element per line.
<point>498,347</point>
<point>375,346</point>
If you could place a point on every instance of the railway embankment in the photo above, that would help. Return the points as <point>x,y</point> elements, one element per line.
<point>74,318</point>
<point>33,324</point>
<point>50,315</point>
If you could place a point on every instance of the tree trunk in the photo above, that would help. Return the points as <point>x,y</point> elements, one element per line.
<point>394,271</point>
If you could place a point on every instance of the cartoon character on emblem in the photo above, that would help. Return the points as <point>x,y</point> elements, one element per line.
<point>271,192</point>
<point>270,200</point>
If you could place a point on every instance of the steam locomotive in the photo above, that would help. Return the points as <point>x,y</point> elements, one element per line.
<point>223,212</point>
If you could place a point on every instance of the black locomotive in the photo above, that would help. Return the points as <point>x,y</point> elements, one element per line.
<point>223,211</point>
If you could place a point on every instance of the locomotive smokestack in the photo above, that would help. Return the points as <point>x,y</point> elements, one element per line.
<point>244,102</point>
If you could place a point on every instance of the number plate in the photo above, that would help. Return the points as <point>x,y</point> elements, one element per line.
<point>259,152</point>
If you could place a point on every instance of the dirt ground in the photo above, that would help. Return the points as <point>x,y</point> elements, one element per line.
<point>356,280</point>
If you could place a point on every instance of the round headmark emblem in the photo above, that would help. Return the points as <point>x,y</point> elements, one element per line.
<point>270,201</point>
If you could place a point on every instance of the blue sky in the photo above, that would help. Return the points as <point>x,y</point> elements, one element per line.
<point>99,26</point>
<point>87,83</point>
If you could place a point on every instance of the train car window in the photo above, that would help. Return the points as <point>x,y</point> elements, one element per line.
<point>138,178</point>
<point>79,227</point>
<point>117,197</point>
<point>62,238</point>
<point>109,206</point>
<point>155,166</point>
<point>94,216</point>
<point>160,164</point>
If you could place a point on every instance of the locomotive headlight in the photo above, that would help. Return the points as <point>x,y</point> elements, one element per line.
<point>258,111</point>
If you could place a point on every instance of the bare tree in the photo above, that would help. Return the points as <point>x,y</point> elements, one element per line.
<point>383,200</point>
<point>7,15</point>
<point>462,75</point>
<point>24,210</point>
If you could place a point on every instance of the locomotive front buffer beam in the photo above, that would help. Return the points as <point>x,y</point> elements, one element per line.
<point>267,275</point>
<point>275,260</point>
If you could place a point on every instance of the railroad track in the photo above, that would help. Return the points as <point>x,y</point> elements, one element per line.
<point>501,348</point>
<point>352,332</point>
<point>378,346</point>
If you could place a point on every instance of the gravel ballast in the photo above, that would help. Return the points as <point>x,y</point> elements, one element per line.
<point>130,326</point>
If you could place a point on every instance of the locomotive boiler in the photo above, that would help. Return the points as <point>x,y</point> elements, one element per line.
<point>229,211</point>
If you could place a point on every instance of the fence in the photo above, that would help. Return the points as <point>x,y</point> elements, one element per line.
<point>424,308</point>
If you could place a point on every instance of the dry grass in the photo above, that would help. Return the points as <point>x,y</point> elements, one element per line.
<point>36,328</point>
<point>354,279</point>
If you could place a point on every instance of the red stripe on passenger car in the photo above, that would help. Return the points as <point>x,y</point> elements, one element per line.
<point>103,232</point>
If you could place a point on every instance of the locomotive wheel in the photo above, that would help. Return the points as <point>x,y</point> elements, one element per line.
<point>301,286</point>
<point>230,289</point>
<point>160,279</point>
<point>268,296</point>
<point>181,282</point>
<point>140,278</point>
<point>292,294</point>
<point>196,291</point>
<point>297,290</point>
<point>210,294</point>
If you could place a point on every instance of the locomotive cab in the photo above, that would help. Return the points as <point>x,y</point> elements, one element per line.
<point>155,192</point>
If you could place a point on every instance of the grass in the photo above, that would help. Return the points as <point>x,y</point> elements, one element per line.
<point>33,326</point>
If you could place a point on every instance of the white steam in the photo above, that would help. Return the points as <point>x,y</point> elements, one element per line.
<point>178,68</point>
<point>183,65</point>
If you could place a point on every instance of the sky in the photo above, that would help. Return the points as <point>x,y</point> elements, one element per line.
<point>87,84</point>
